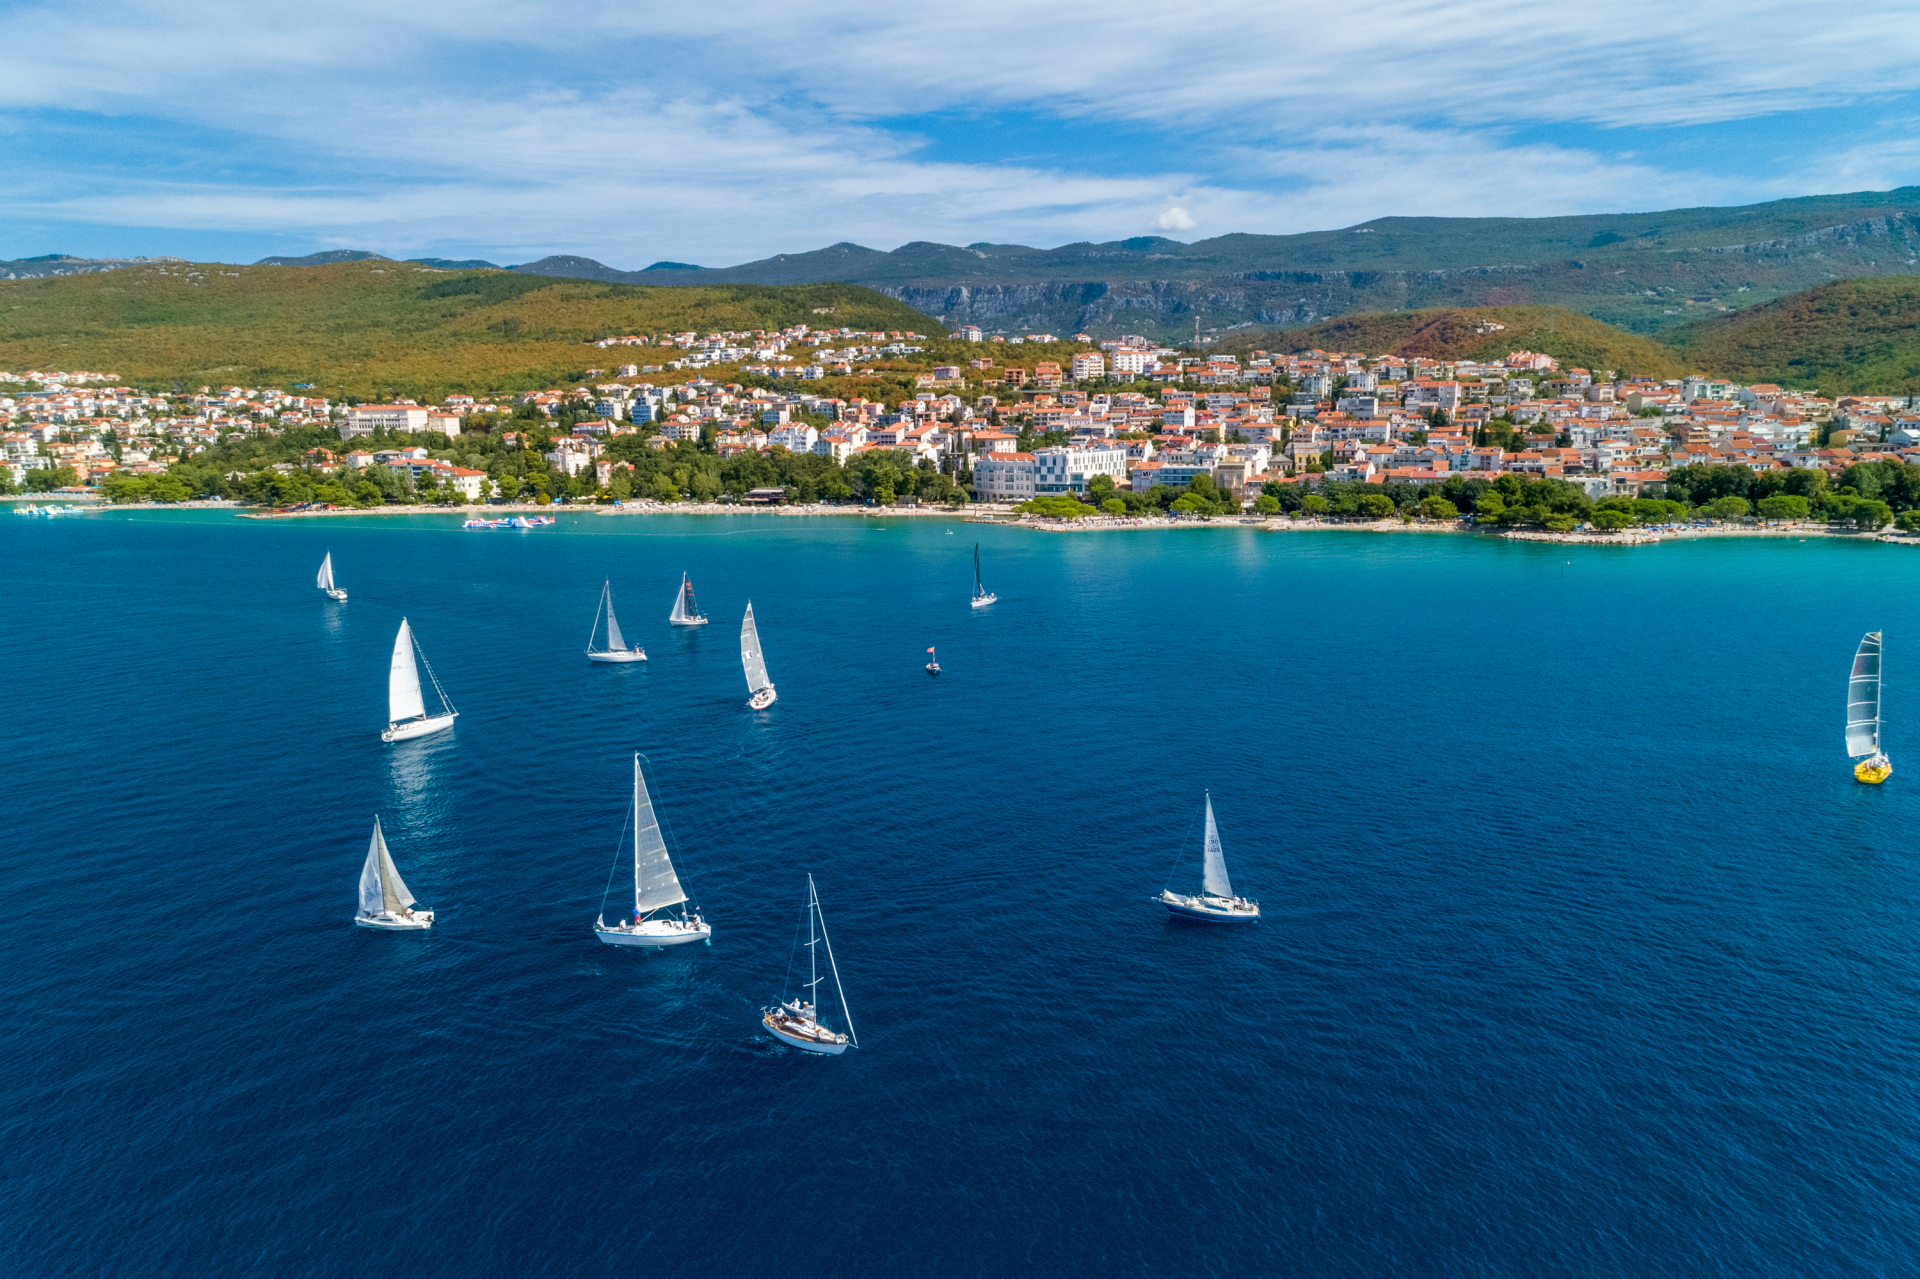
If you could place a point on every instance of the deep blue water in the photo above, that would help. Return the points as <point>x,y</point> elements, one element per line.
<point>1582,952</point>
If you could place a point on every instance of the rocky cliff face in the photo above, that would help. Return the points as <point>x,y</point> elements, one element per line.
<point>1645,292</point>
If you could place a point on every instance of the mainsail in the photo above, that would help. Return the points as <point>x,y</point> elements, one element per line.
<point>403,679</point>
<point>1214,878</point>
<point>685,610</point>
<point>1863,698</point>
<point>750,658</point>
<point>381,888</point>
<point>326,572</point>
<point>614,640</point>
<point>654,883</point>
<point>978,589</point>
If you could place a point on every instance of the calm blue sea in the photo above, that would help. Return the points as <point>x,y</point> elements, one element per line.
<point>1582,952</point>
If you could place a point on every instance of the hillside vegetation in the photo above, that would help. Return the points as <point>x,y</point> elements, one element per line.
<point>1860,336</point>
<point>376,329</point>
<point>1574,340</point>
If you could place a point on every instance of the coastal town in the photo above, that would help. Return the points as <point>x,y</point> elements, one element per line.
<point>1121,427</point>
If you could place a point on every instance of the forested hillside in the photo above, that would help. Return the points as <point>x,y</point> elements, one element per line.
<point>379,329</point>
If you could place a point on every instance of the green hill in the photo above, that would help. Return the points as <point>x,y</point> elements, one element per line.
<point>1849,336</point>
<point>1647,272</point>
<point>1575,340</point>
<point>376,328</point>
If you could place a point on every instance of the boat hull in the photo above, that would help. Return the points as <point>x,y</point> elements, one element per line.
<point>686,621</point>
<point>412,921</point>
<point>763,699</point>
<point>1873,771</point>
<point>337,594</point>
<point>801,1042</point>
<point>638,655</point>
<point>933,668</point>
<point>417,727</point>
<point>981,601</point>
<point>1203,910</point>
<point>653,934</point>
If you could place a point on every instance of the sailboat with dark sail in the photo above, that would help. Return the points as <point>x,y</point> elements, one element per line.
<point>685,611</point>
<point>981,595</point>
<point>1215,903</point>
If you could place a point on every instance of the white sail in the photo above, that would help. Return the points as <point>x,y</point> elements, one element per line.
<point>326,572</point>
<point>381,888</point>
<point>1863,698</point>
<point>403,679</point>
<point>750,656</point>
<point>654,883</point>
<point>614,640</point>
<point>1214,878</point>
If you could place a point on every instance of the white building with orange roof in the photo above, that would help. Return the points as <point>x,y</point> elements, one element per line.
<point>1004,477</point>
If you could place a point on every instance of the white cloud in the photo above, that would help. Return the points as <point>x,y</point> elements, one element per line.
<point>479,127</point>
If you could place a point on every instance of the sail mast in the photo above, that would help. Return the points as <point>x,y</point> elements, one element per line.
<point>636,834</point>
<point>831,963</point>
<point>976,568</point>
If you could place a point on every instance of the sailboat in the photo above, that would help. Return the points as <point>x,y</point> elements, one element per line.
<point>933,663</point>
<point>406,710</point>
<point>981,595</point>
<point>796,1021</point>
<point>384,899</point>
<point>326,580</point>
<point>1215,903</point>
<point>1863,713</point>
<point>758,684</point>
<point>616,649</point>
<point>685,611</point>
<point>655,887</point>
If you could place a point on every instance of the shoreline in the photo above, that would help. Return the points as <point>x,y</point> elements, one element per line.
<point>1003,516</point>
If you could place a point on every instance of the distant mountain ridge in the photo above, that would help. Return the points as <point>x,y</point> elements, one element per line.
<point>1645,272</point>
<point>1641,271</point>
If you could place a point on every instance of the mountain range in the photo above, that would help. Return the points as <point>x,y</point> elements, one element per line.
<point>1645,272</point>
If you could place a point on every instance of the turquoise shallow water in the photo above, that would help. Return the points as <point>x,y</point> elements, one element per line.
<point>1582,953</point>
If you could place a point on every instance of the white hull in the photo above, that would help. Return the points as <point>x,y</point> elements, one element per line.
<point>1220,910</point>
<point>405,921</point>
<point>337,594</point>
<point>633,655</point>
<point>653,934</point>
<point>688,621</point>
<point>763,699</point>
<point>805,1044</point>
<point>981,601</point>
<point>417,727</point>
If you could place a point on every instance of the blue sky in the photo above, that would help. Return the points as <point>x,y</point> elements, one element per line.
<point>716,134</point>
